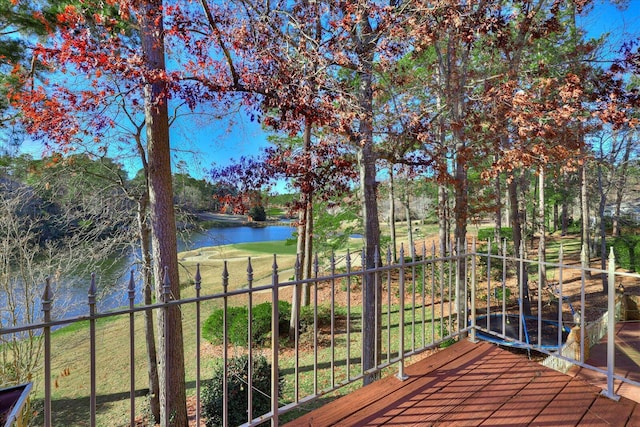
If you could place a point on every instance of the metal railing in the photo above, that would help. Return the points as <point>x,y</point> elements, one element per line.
<point>416,304</point>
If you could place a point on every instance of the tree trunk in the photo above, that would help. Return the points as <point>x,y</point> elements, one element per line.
<point>565,206</point>
<point>584,208</point>
<point>363,139</point>
<point>371,290</point>
<point>603,230</point>
<point>308,251</point>
<point>443,220</point>
<point>498,212</point>
<point>518,244</point>
<point>392,216</point>
<point>542,242</point>
<point>407,214</point>
<point>460,232</point>
<point>147,277</point>
<point>296,297</point>
<point>308,224</point>
<point>173,409</point>
<point>301,292</point>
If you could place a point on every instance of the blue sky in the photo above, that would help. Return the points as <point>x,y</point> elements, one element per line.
<point>620,23</point>
<point>204,142</point>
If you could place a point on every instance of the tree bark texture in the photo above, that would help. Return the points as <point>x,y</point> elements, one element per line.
<point>518,243</point>
<point>443,220</point>
<point>392,215</point>
<point>603,230</point>
<point>147,278</point>
<point>372,285</point>
<point>460,232</point>
<point>162,218</point>
<point>296,297</point>
<point>542,231</point>
<point>308,224</point>
<point>584,213</point>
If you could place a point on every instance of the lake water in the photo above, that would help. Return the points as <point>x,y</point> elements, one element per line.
<point>229,235</point>
<point>116,296</point>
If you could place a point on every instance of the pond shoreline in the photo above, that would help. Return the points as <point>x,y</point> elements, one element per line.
<point>210,219</point>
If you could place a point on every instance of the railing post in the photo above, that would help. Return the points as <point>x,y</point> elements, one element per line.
<point>472,335</point>
<point>389,257</point>
<point>47,300</point>
<point>401,375</point>
<point>316,270</point>
<point>225,345</point>
<point>378,312</point>
<point>198,281</point>
<point>92,350</point>
<point>560,302</point>
<point>275,348</point>
<point>249,342</point>
<point>489,253</point>
<point>132,352</point>
<point>520,290</point>
<point>611,324</point>
<point>348,279</point>
<point>166,298</point>
<point>333,321</point>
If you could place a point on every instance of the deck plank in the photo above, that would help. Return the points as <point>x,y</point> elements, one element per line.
<point>605,411</point>
<point>498,371</point>
<point>338,409</point>
<point>542,386</point>
<point>482,406</point>
<point>423,384</point>
<point>473,384</point>
<point>443,386</point>
<point>569,406</point>
<point>627,361</point>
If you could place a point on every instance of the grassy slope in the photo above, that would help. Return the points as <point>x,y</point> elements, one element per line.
<point>71,368</point>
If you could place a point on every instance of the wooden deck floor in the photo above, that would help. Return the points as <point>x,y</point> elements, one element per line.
<point>476,384</point>
<point>627,356</point>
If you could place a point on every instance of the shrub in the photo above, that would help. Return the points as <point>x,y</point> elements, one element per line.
<point>237,380</point>
<point>627,252</point>
<point>258,213</point>
<point>262,320</point>
<point>485,234</point>
<point>237,324</point>
<point>236,317</point>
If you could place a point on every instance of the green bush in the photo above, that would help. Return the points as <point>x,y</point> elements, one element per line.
<point>237,380</point>
<point>627,252</point>
<point>262,320</point>
<point>236,317</point>
<point>258,213</point>
<point>237,324</point>
<point>485,234</point>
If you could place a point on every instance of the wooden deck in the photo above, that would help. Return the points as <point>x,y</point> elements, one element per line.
<point>627,356</point>
<point>476,384</point>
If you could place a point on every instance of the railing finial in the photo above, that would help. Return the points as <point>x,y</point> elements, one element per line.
<point>198,278</point>
<point>47,296</point>
<point>132,286</point>
<point>92,289</point>
<point>225,277</point>
<point>166,284</point>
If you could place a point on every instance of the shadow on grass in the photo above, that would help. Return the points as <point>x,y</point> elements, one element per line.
<point>75,412</point>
